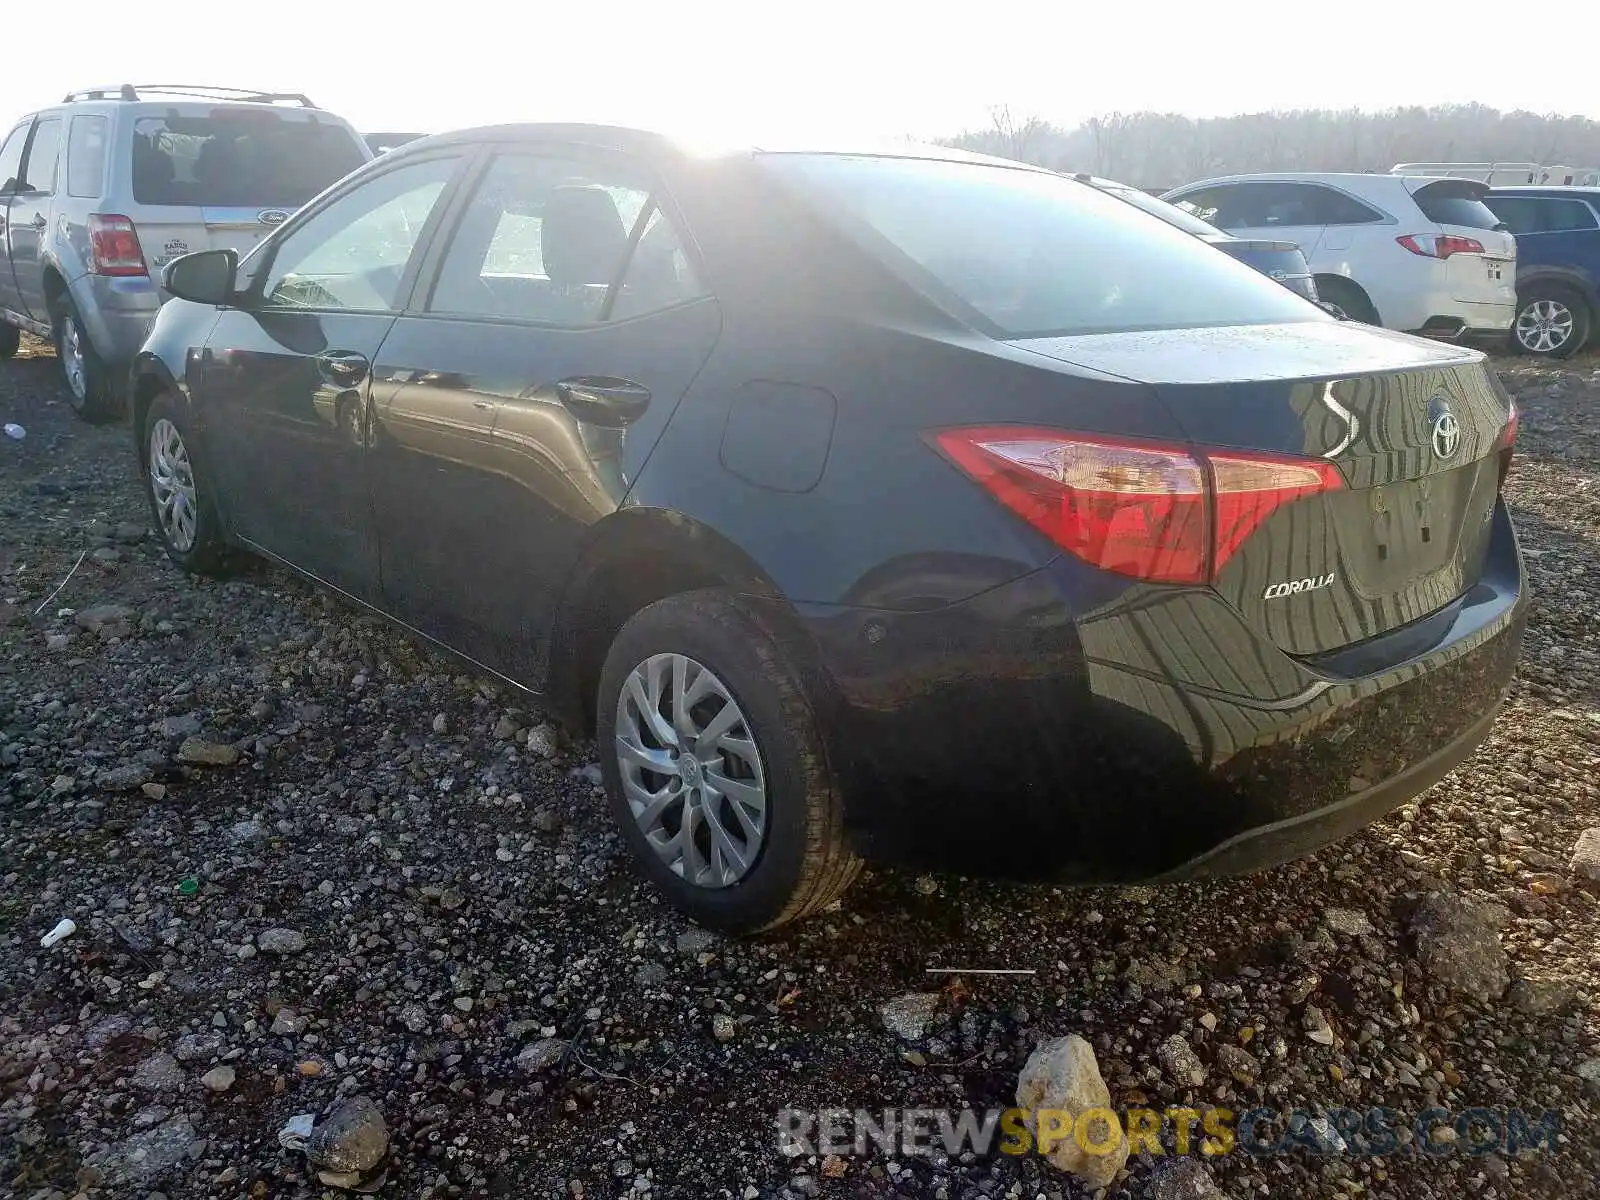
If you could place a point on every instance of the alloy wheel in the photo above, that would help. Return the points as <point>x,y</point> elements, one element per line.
<point>691,771</point>
<point>1544,326</point>
<point>72,358</point>
<point>172,485</point>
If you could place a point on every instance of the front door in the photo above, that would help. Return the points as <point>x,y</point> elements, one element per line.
<point>285,381</point>
<point>28,216</point>
<point>10,173</point>
<point>545,349</point>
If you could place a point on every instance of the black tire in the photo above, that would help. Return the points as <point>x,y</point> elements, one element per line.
<point>207,553</point>
<point>10,340</point>
<point>93,398</point>
<point>1349,297</point>
<point>804,862</point>
<point>1553,321</point>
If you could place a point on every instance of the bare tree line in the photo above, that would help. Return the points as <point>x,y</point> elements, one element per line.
<point>1162,150</point>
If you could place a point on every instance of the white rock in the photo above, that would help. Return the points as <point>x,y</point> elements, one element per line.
<point>908,1016</point>
<point>218,1079</point>
<point>1062,1074</point>
<point>1586,855</point>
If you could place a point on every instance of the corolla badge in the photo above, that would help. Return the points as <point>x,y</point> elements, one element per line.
<point>1446,430</point>
<point>1293,587</point>
<point>272,216</point>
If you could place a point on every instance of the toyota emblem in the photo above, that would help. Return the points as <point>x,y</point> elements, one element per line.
<point>1446,429</point>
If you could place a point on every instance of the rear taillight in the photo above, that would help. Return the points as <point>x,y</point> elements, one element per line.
<point>1508,441</point>
<point>114,246</point>
<point>1160,513</point>
<point>1439,245</point>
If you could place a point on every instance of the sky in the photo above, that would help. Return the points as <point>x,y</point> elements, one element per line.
<point>868,68</point>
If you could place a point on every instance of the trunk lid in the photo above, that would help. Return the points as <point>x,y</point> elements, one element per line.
<point>170,231</point>
<point>1413,427</point>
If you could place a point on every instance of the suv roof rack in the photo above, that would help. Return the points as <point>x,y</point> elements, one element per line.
<point>1503,173</point>
<point>129,91</point>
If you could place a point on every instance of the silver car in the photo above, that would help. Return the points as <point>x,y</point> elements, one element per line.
<point>97,193</point>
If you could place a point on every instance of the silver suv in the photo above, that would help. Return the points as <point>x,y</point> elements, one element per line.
<point>98,192</point>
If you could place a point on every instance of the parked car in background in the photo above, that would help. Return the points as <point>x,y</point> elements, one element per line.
<point>1273,257</point>
<point>1505,174</point>
<point>97,193</point>
<point>1422,255</point>
<point>1558,265</point>
<point>382,143</point>
<point>914,504</point>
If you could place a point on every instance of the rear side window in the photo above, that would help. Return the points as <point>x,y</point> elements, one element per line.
<point>86,156</point>
<point>1022,253</point>
<point>1455,202</point>
<point>1334,207</point>
<point>545,240</point>
<point>39,171</point>
<point>242,158</point>
<point>1542,214</point>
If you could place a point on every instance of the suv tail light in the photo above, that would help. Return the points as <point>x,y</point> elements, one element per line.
<point>114,246</point>
<point>1439,245</point>
<point>1161,513</point>
<point>1508,442</point>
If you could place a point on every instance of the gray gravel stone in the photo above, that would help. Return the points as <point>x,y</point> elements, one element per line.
<point>281,941</point>
<point>1458,944</point>
<point>908,1016</point>
<point>1586,855</point>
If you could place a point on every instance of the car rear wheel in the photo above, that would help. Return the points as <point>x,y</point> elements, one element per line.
<point>1348,298</point>
<point>1552,321</point>
<point>714,767</point>
<point>10,341</point>
<point>177,483</point>
<point>88,382</point>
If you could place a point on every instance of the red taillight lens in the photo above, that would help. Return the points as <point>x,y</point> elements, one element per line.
<point>1161,513</point>
<point>1508,440</point>
<point>114,246</point>
<point>1439,245</point>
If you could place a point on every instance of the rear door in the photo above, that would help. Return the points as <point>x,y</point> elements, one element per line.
<point>553,334</point>
<point>28,217</point>
<point>205,176</point>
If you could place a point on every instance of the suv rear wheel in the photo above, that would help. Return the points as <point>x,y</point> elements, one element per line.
<point>1348,298</point>
<point>88,382</point>
<point>1552,321</point>
<point>714,767</point>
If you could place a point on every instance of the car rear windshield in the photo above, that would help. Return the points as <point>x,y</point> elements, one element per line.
<point>1024,253</point>
<point>1170,213</point>
<point>226,159</point>
<point>1456,202</point>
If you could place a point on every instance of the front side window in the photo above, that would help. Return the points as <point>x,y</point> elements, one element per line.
<point>1024,253</point>
<point>353,253</point>
<point>545,239</point>
<point>11,155</point>
<point>238,158</point>
<point>86,156</point>
<point>39,171</point>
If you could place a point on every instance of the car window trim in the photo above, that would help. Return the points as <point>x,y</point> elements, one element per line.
<point>254,301</point>
<point>26,126</point>
<point>659,196</point>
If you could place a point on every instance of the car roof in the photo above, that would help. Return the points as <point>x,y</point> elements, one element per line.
<point>1344,177</point>
<point>646,142</point>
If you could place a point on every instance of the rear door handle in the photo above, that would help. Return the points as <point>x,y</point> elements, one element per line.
<point>344,368</point>
<point>603,399</point>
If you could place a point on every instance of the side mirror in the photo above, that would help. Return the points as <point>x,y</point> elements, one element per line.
<point>206,276</point>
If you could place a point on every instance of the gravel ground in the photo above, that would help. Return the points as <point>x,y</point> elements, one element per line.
<point>300,847</point>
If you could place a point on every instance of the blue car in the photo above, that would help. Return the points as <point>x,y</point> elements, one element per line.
<point>1558,264</point>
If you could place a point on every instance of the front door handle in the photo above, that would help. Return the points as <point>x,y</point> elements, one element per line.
<point>343,368</point>
<point>603,399</point>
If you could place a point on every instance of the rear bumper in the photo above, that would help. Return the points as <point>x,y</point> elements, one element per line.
<point>117,315</point>
<point>1152,735</point>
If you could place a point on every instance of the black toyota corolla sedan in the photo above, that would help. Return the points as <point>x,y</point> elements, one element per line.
<point>891,505</point>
